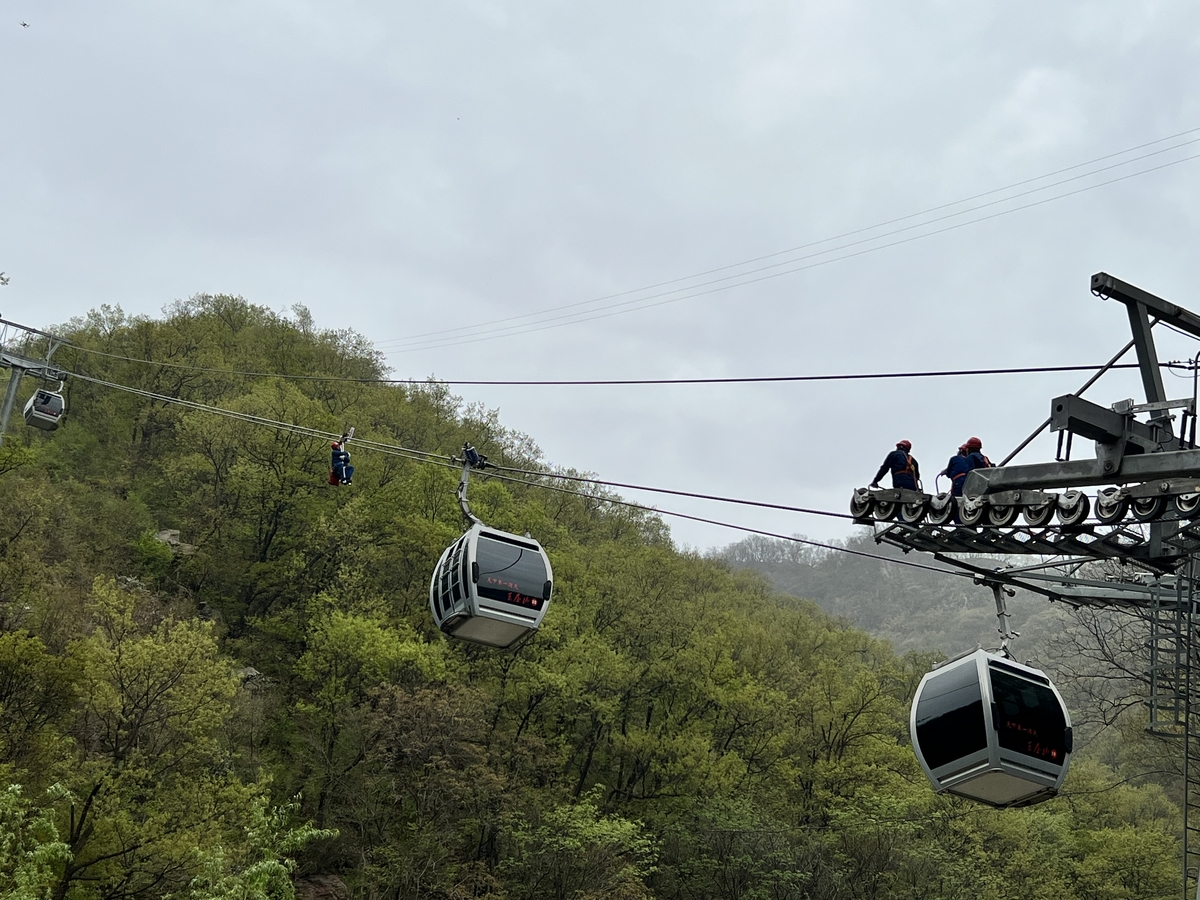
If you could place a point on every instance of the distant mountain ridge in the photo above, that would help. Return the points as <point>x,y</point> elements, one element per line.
<point>912,608</point>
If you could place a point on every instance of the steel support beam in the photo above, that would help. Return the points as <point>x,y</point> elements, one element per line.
<point>38,368</point>
<point>1065,588</point>
<point>10,396</point>
<point>1098,423</point>
<point>1143,341</point>
<point>1082,472</point>
<point>1140,304</point>
<point>1104,285</point>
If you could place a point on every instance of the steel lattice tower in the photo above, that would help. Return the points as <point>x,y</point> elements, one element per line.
<point>1029,527</point>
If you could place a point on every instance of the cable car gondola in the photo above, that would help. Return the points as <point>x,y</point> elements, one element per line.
<point>489,586</point>
<point>991,729</point>
<point>45,409</point>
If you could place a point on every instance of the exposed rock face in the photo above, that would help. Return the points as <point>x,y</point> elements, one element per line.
<point>321,887</point>
<point>170,537</point>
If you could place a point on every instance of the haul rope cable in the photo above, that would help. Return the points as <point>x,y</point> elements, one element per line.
<point>804,510</point>
<point>251,418</point>
<point>611,382</point>
<point>641,487</point>
<point>783,537</point>
<point>583,479</point>
<point>423,455</point>
<point>836,237</point>
<point>436,335</point>
<point>427,456</point>
<point>616,309</point>
<point>440,459</point>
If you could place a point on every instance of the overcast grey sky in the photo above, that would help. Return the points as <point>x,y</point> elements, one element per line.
<point>403,169</point>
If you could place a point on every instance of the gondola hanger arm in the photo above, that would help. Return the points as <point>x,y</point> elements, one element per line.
<point>1007,635</point>
<point>471,459</point>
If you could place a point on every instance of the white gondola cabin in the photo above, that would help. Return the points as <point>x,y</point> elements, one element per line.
<point>991,729</point>
<point>491,587</point>
<point>45,409</point>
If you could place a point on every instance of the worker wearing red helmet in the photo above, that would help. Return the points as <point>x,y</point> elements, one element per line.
<point>975,454</point>
<point>970,456</point>
<point>903,466</point>
<point>956,470</point>
<point>341,471</point>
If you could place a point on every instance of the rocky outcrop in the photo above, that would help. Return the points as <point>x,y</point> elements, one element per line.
<point>170,537</point>
<point>321,887</point>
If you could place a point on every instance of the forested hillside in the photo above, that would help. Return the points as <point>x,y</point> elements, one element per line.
<point>264,701</point>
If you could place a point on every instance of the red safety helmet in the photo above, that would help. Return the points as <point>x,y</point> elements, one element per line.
<point>974,443</point>
<point>335,445</point>
<point>904,445</point>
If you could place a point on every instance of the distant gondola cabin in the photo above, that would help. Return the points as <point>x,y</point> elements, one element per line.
<point>991,729</point>
<point>491,587</point>
<point>45,409</point>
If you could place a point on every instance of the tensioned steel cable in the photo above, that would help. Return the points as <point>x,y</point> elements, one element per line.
<point>1111,364</point>
<point>439,459</point>
<point>418,455</point>
<point>772,534</point>
<point>1177,330</point>
<point>616,309</point>
<point>459,329</point>
<point>422,455</point>
<point>617,382</point>
<point>202,407</point>
<point>641,487</point>
<point>425,455</point>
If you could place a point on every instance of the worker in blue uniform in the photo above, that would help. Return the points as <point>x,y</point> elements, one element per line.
<point>975,454</point>
<point>970,457</point>
<point>342,472</point>
<point>905,471</point>
<point>956,470</point>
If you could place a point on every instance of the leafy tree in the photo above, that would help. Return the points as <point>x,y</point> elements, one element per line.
<point>36,696</point>
<point>574,851</point>
<point>430,811</point>
<point>260,865</point>
<point>30,850</point>
<point>348,656</point>
<point>148,787</point>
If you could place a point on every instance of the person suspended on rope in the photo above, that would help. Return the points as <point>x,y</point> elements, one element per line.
<point>341,472</point>
<point>906,473</point>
